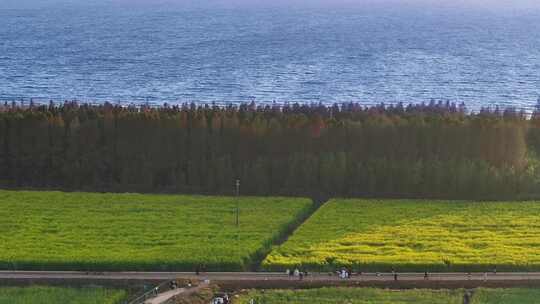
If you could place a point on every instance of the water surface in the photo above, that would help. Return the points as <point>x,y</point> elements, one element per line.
<point>167,54</point>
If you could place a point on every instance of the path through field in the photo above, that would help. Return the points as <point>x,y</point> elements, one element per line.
<point>268,276</point>
<point>165,296</point>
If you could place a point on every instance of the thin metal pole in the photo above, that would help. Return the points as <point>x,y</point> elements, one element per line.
<point>237,204</point>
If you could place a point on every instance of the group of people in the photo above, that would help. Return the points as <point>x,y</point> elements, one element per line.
<point>296,273</point>
<point>221,299</point>
<point>173,284</point>
<point>344,273</point>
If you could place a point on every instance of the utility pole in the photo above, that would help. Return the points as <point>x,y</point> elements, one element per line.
<point>237,203</point>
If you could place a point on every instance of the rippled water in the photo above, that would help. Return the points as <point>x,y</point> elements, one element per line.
<point>160,55</point>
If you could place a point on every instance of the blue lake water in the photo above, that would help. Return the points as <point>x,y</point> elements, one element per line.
<point>164,54</point>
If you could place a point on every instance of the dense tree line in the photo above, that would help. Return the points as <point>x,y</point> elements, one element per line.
<point>428,150</point>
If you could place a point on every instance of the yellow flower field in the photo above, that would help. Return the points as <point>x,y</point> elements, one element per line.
<point>409,235</point>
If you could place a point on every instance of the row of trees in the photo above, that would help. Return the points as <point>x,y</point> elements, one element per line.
<point>434,150</point>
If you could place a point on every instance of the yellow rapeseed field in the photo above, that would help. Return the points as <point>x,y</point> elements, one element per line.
<point>409,235</point>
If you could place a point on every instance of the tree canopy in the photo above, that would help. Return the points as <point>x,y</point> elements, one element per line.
<point>437,150</point>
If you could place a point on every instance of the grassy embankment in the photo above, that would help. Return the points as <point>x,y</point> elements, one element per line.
<point>386,296</point>
<point>353,296</point>
<point>506,296</point>
<point>52,295</point>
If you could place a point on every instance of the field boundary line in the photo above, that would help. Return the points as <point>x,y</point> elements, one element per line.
<point>316,204</point>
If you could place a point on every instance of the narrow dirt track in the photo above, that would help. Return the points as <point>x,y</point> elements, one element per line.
<point>265,276</point>
<point>165,296</point>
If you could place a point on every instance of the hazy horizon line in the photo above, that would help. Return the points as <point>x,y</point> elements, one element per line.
<point>490,5</point>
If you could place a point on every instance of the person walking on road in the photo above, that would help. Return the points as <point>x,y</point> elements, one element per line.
<point>426,276</point>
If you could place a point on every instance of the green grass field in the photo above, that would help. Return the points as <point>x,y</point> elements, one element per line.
<point>374,235</point>
<point>506,296</point>
<point>386,296</point>
<point>353,296</point>
<point>56,295</point>
<point>86,231</point>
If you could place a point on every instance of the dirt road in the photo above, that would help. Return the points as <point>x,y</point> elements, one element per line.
<point>265,276</point>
